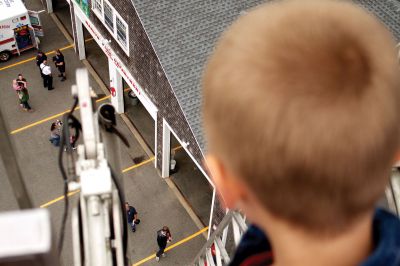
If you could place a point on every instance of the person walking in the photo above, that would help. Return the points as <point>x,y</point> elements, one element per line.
<point>20,87</point>
<point>24,97</point>
<point>47,77</point>
<point>132,216</point>
<point>60,64</point>
<point>40,57</point>
<point>163,237</point>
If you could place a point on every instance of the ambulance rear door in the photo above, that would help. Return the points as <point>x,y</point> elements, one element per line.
<point>7,40</point>
<point>35,22</point>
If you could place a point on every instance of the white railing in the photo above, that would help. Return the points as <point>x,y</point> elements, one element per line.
<point>393,192</point>
<point>398,51</point>
<point>222,242</point>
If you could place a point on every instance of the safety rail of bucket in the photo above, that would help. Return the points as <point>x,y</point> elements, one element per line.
<point>223,241</point>
<point>393,191</point>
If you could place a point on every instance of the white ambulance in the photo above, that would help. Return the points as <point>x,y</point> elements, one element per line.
<point>19,28</point>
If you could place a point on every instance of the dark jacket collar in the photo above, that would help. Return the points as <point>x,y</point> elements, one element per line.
<point>386,232</point>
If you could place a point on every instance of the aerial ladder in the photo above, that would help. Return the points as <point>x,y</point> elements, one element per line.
<point>99,232</point>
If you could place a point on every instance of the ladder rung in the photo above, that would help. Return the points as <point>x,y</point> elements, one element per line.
<point>238,218</point>
<point>222,249</point>
<point>210,260</point>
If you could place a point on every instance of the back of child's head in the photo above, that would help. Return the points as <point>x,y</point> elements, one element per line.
<point>302,102</point>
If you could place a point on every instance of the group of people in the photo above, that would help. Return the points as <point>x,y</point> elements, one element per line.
<point>45,69</point>
<point>20,84</point>
<point>163,235</point>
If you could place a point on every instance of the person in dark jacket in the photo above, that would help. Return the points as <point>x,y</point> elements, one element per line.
<point>40,57</point>
<point>163,237</point>
<point>132,216</point>
<point>59,61</point>
<point>318,127</point>
<point>22,81</point>
<point>255,249</point>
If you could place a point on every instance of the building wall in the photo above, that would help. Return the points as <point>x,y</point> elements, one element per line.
<point>146,69</point>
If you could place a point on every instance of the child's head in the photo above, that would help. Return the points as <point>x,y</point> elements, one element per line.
<point>301,105</point>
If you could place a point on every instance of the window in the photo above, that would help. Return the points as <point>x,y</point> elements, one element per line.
<point>97,6</point>
<point>121,31</point>
<point>113,22</point>
<point>108,16</point>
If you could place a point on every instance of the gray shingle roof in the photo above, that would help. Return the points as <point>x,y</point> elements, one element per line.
<point>388,11</point>
<point>183,34</point>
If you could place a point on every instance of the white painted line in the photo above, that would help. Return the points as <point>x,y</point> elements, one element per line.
<point>40,11</point>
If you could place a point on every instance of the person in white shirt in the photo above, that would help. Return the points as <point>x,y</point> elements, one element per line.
<point>47,77</point>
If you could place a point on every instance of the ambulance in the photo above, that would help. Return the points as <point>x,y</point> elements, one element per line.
<point>19,29</point>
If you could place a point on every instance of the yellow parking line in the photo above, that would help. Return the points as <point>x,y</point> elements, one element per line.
<point>55,116</point>
<point>177,148</point>
<point>146,161</point>
<point>38,122</point>
<point>123,171</point>
<point>50,118</point>
<point>152,256</point>
<point>33,58</point>
<point>137,165</point>
<point>51,202</point>
<point>58,199</point>
<point>76,191</point>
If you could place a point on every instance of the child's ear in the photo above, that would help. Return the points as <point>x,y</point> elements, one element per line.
<point>396,160</point>
<point>228,186</point>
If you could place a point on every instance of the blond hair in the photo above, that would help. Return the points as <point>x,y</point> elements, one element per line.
<point>301,101</point>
